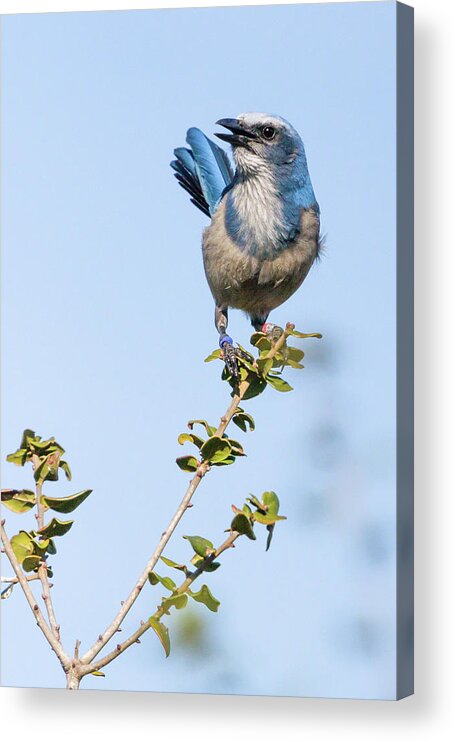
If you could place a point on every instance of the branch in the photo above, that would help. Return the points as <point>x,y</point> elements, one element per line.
<point>185,503</point>
<point>145,626</point>
<point>40,620</point>
<point>42,569</point>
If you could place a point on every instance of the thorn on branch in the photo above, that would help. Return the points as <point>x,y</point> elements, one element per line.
<point>3,521</point>
<point>100,638</point>
<point>35,607</point>
<point>118,647</point>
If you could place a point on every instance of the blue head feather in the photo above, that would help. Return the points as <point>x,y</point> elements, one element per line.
<point>271,186</point>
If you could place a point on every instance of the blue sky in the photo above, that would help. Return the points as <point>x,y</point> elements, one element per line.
<point>107,319</point>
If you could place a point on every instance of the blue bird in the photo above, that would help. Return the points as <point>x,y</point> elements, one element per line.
<point>264,234</point>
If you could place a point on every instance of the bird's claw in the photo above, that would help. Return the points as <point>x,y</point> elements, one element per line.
<point>230,358</point>
<point>231,354</point>
<point>273,332</point>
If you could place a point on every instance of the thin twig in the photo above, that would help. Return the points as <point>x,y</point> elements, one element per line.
<point>42,569</point>
<point>202,470</point>
<point>14,580</point>
<point>40,620</point>
<point>183,588</point>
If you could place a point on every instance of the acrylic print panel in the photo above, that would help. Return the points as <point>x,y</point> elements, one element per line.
<point>108,318</point>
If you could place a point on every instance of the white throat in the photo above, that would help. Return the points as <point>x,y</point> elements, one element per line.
<point>257,202</point>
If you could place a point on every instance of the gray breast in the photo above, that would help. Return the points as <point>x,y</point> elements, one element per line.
<point>243,281</point>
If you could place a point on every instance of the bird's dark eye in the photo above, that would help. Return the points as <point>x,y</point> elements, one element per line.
<point>269,132</point>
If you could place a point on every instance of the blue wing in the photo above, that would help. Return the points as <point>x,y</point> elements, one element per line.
<point>204,170</point>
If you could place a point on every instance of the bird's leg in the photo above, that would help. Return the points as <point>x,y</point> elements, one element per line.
<point>226,342</point>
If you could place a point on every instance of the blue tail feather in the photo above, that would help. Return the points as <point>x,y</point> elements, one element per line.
<point>204,171</point>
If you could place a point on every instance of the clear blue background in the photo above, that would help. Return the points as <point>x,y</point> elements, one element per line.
<point>107,319</point>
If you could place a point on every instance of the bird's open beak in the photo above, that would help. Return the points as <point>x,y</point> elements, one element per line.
<point>241,135</point>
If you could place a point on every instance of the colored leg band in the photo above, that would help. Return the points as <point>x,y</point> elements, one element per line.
<point>226,339</point>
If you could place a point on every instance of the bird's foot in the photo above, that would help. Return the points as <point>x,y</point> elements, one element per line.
<point>273,332</point>
<point>231,354</point>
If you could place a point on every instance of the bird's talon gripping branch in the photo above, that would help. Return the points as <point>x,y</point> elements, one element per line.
<point>230,356</point>
<point>273,332</point>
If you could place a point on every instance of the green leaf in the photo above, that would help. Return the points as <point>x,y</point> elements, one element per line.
<point>213,356</point>
<point>210,430</point>
<point>278,383</point>
<point>19,501</point>
<point>294,354</point>
<point>264,365</point>
<point>216,449</point>
<point>170,563</point>
<point>261,341</point>
<point>55,527</point>
<point>66,468</point>
<point>28,435</point>
<point>51,549</point>
<point>162,633</point>
<point>48,468</point>
<point>205,596</point>
<point>19,457</point>
<point>268,519</point>
<point>177,601</point>
<point>254,501</point>
<point>211,567</point>
<point>22,544</point>
<point>40,547</point>
<point>31,563</point>
<point>187,463</point>
<point>237,448</point>
<point>191,438</point>
<point>202,546</point>
<point>98,674</point>
<point>241,419</point>
<point>7,591</point>
<point>48,446</point>
<point>225,462</point>
<point>241,523</point>
<point>269,537</point>
<point>257,386</point>
<point>154,579</point>
<point>271,502</point>
<point>66,504</point>
<point>298,334</point>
